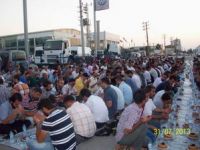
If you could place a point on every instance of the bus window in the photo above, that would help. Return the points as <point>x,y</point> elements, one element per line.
<point>16,56</point>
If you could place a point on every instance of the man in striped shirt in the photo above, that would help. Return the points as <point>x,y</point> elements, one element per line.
<point>57,124</point>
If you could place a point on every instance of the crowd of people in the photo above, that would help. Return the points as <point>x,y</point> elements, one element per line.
<point>196,71</point>
<point>70,103</point>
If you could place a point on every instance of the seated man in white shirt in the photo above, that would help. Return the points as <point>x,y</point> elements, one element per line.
<point>97,107</point>
<point>150,107</point>
<point>151,110</point>
<point>157,98</point>
<point>159,80</point>
<point>69,89</point>
<point>48,89</point>
<point>82,119</point>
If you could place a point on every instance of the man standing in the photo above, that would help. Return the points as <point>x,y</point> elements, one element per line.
<point>57,124</point>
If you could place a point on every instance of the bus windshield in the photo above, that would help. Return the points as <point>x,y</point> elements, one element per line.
<point>18,56</point>
<point>53,45</point>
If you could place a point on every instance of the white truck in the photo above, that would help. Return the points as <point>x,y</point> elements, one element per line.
<point>56,51</point>
<point>39,55</point>
<point>114,48</point>
<point>77,51</point>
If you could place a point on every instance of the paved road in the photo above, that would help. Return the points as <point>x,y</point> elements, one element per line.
<point>98,143</point>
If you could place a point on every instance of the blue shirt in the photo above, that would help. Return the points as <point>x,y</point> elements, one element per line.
<point>132,84</point>
<point>127,92</point>
<point>5,111</point>
<point>120,99</point>
<point>23,79</point>
<point>111,95</point>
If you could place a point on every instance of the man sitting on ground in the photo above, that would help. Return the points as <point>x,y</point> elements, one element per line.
<point>13,116</point>
<point>82,119</point>
<point>57,124</point>
<point>97,107</point>
<point>131,128</point>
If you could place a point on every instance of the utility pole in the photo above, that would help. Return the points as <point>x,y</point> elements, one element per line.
<point>164,38</point>
<point>95,28</point>
<point>82,32</point>
<point>146,28</point>
<point>87,23</point>
<point>25,28</point>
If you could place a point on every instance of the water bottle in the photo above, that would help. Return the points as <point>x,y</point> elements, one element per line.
<point>12,138</point>
<point>24,131</point>
<point>150,147</point>
<point>24,128</point>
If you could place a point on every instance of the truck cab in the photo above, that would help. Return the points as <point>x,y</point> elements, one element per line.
<point>39,56</point>
<point>56,51</point>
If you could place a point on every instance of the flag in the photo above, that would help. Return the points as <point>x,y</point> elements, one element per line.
<point>101,5</point>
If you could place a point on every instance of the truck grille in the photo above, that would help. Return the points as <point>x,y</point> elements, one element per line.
<point>52,58</point>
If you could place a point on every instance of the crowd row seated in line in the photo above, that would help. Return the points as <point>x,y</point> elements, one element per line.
<point>70,103</point>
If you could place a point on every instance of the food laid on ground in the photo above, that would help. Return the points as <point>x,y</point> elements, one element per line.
<point>193,136</point>
<point>162,146</point>
<point>192,147</point>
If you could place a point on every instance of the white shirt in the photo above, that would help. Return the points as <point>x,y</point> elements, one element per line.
<point>68,90</point>
<point>161,69</point>
<point>157,99</point>
<point>147,76</point>
<point>93,87</point>
<point>75,74</point>
<point>157,82</point>
<point>148,108</point>
<point>137,80</point>
<point>130,68</point>
<point>153,73</point>
<point>82,119</point>
<point>98,108</point>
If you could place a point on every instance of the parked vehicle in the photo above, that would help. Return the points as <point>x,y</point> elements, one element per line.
<point>13,57</point>
<point>55,51</point>
<point>39,56</point>
<point>77,51</point>
<point>114,49</point>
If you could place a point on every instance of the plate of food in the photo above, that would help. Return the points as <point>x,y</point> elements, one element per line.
<point>193,147</point>
<point>168,136</point>
<point>162,146</point>
<point>193,136</point>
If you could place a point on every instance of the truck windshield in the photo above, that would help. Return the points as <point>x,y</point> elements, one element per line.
<point>39,53</point>
<point>53,45</point>
<point>16,56</point>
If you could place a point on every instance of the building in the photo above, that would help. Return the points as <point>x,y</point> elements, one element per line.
<point>177,44</point>
<point>36,39</point>
<point>170,50</point>
<point>105,38</point>
<point>174,48</point>
<point>197,50</point>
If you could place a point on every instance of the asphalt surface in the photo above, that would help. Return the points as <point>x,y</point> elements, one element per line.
<point>98,143</point>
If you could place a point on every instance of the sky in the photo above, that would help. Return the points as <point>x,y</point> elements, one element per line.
<point>174,18</point>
